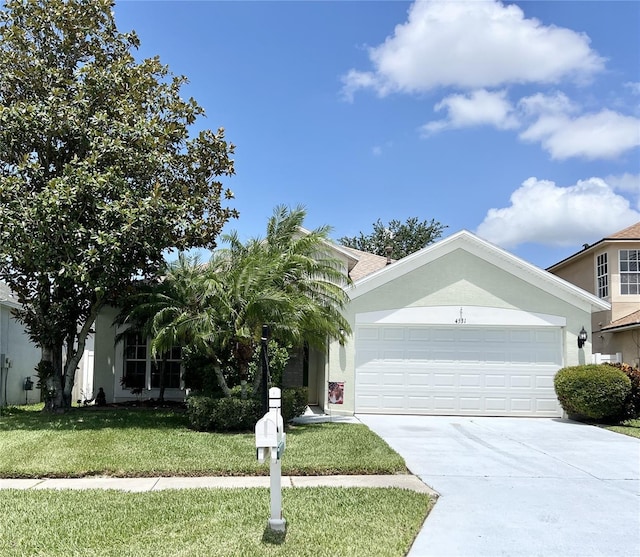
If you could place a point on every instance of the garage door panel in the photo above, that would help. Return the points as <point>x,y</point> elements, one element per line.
<point>444,380</point>
<point>495,381</point>
<point>495,404</point>
<point>470,404</point>
<point>468,380</point>
<point>393,402</point>
<point>418,379</point>
<point>545,405</point>
<point>368,333</point>
<point>544,382</point>
<point>392,354</point>
<point>444,403</point>
<point>521,382</point>
<point>368,379</point>
<point>471,371</point>
<point>393,379</point>
<point>392,334</point>
<point>418,334</point>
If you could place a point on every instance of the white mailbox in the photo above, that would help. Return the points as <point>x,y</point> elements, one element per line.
<point>266,436</point>
<point>270,445</point>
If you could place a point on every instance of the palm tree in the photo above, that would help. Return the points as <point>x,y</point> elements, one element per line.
<point>165,311</point>
<point>289,280</point>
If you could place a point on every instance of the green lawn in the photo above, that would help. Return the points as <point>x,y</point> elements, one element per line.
<point>630,427</point>
<point>199,522</point>
<point>194,522</point>
<point>127,443</point>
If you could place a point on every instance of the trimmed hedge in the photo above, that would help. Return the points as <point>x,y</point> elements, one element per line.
<point>223,414</point>
<point>233,413</point>
<point>592,391</point>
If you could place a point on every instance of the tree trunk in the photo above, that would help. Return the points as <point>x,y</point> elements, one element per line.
<point>65,380</point>
<point>243,356</point>
<point>221,380</point>
<point>51,366</point>
<point>162,370</point>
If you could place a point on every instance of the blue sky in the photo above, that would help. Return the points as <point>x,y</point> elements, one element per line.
<point>517,121</point>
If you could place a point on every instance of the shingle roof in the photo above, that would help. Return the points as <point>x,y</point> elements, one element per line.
<point>367,264</point>
<point>630,233</point>
<point>626,321</point>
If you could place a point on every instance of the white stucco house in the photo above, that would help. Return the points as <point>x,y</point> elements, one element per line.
<point>18,355</point>
<point>461,327</point>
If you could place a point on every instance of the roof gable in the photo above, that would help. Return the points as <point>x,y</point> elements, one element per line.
<point>629,234</point>
<point>494,255</point>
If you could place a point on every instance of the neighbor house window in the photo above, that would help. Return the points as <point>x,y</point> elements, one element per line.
<point>141,371</point>
<point>602,274</point>
<point>629,272</point>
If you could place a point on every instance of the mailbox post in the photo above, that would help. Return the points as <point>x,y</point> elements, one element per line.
<point>270,444</point>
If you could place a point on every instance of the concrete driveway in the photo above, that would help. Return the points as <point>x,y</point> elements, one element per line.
<point>520,486</point>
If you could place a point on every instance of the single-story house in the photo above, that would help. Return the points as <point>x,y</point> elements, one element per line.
<point>459,327</point>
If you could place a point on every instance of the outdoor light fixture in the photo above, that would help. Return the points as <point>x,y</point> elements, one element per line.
<point>582,337</point>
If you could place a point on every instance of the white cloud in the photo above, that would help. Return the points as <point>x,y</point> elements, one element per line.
<point>472,45</point>
<point>627,183</point>
<point>555,103</point>
<point>544,213</point>
<point>601,135</point>
<point>634,87</point>
<point>476,109</point>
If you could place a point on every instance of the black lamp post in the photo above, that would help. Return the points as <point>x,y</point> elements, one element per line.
<point>264,360</point>
<point>582,337</point>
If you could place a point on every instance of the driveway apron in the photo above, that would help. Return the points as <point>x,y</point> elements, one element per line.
<point>520,486</point>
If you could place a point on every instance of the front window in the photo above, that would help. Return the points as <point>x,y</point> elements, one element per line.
<point>141,371</point>
<point>602,274</point>
<point>629,272</point>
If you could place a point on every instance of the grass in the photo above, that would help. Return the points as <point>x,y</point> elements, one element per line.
<point>320,522</point>
<point>630,427</point>
<point>140,442</point>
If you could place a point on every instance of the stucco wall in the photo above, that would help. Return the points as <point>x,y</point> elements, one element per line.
<point>456,279</point>
<point>24,356</point>
<point>104,365</point>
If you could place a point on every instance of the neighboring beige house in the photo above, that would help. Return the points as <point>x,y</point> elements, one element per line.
<point>459,327</point>
<point>610,269</point>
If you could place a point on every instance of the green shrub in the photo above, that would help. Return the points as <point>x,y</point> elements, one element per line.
<point>632,404</point>
<point>210,413</point>
<point>592,391</point>
<point>206,413</point>
<point>294,402</point>
<point>201,412</point>
<point>236,414</point>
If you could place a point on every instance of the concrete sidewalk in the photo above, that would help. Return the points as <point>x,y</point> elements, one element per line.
<point>402,481</point>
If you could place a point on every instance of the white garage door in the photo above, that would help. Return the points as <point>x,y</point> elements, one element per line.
<point>460,370</point>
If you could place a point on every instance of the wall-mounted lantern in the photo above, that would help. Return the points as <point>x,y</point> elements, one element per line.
<point>582,337</point>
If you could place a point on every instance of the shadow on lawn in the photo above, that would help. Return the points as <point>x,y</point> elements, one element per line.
<point>272,537</point>
<point>89,418</point>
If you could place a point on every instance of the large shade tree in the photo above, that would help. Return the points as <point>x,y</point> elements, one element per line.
<point>99,173</point>
<point>289,280</point>
<point>396,239</point>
